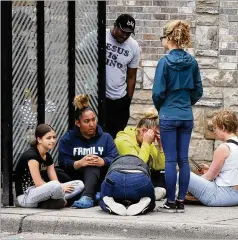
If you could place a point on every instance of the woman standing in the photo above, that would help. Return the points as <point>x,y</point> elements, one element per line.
<point>177,86</point>
<point>31,189</point>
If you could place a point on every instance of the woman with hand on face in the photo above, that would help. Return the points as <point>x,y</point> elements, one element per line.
<point>177,86</point>
<point>218,186</point>
<point>140,141</point>
<point>86,152</point>
<point>31,189</point>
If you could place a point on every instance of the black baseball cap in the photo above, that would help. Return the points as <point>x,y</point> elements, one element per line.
<point>126,23</point>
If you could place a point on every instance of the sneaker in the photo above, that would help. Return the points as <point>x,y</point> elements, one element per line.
<point>160,193</point>
<point>168,207</point>
<point>114,207</point>
<point>139,207</point>
<point>180,206</point>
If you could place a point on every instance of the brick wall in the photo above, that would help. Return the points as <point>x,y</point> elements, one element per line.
<point>214,27</point>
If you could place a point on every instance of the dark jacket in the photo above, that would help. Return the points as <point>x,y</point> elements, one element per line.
<point>73,146</point>
<point>177,85</point>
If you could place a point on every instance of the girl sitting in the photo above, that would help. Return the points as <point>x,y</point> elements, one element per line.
<point>219,185</point>
<point>31,189</point>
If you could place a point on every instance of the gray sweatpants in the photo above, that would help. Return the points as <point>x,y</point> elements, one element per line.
<point>52,189</point>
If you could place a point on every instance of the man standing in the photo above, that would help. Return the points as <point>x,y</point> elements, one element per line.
<point>122,61</point>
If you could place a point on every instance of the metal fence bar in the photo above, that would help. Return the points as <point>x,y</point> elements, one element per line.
<point>71,61</point>
<point>101,62</point>
<point>40,15</point>
<point>86,50</point>
<point>45,62</point>
<point>6,99</point>
<point>56,68</point>
<point>24,76</point>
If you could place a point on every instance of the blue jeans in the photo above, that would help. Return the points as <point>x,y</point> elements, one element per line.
<point>210,194</point>
<point>175,137</point>
<point>127,186</point>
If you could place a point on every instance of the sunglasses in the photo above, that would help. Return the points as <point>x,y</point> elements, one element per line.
<point>161,38</point>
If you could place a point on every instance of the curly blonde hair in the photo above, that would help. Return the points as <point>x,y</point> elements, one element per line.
<point>81,103</point>
<point>226,120</point>
<point>178,31</point>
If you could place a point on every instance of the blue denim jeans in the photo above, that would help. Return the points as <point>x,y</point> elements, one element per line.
<point>175,137</point>
<point>127,186</point>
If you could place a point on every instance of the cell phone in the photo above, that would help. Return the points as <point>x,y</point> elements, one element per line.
<point>197,166</point>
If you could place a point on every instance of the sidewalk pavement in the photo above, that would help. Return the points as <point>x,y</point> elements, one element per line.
<point>198,222</point>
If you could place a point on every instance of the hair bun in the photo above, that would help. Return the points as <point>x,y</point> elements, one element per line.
<point>151,114</point>
<point>81,101</point>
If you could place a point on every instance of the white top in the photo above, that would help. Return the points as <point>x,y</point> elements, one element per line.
<point>119,57</point>
<point>228,175</point>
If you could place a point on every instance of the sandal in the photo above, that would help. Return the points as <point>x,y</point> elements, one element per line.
<point>84,202</point>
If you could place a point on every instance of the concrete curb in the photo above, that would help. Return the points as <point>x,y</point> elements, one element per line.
<point>133,228</point>
<point>11,223</point>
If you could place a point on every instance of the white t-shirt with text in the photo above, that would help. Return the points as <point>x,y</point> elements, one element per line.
<point>119,57</point>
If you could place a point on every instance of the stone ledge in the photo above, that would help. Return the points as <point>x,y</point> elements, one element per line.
<point>210,103</point>
<point>206,53</point>
<point>201,149</point>
<point>149,63</point>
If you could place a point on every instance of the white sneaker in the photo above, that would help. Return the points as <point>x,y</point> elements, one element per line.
<point>160,193</point>
<point>115,207</point>
<point>139,207</point>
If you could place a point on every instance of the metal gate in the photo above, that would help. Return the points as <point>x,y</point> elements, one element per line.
<point>55,50</point>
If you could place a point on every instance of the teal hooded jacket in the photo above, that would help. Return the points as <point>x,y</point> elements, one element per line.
<point>177,86</point>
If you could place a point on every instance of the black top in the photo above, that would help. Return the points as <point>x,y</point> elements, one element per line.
<point>23,175</point>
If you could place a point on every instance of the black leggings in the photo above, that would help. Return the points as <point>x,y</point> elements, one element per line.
<point>158,178</point>
<point>92,178</point>
<point>61,175</point>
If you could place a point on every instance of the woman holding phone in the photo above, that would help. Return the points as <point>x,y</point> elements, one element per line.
<point>218,186</point>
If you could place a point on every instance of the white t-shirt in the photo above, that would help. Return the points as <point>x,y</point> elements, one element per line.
<point>119,57</point>
<point>228,175</point>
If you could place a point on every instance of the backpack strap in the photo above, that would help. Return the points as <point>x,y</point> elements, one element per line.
<point>232,141</point>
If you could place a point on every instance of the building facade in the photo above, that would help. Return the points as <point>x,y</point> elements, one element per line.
<point>214,27</point>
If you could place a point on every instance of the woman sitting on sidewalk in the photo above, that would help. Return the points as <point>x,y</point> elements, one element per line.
<point>31,190</point>
<point>127,184</point>
<point>85,153</point>
<point>138,141</point>
<point>219,185</point>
